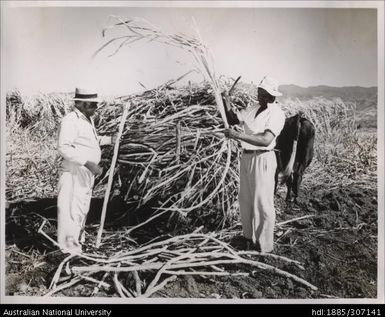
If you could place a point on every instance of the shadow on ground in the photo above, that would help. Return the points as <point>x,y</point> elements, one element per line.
<point>23,219</point>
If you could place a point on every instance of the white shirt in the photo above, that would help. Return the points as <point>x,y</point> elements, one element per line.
<point>272,118</point>
<point>78,140</point>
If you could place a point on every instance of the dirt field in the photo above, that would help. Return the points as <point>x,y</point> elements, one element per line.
<point>337,245</point>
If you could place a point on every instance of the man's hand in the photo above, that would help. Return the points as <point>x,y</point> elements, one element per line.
<point>231,134</point>
<point>114,138</point>
<point>94,168</point>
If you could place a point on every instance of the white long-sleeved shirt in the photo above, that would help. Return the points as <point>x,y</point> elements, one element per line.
<point>78,140</point>
<point>272,118</point>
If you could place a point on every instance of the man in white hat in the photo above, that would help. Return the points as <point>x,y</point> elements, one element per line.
<point>79,145</point>
<point>262,123</point>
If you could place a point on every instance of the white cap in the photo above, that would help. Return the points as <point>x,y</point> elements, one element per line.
<point>270,85</point>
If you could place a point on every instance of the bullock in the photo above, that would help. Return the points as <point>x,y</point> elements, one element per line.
<point>294,151</point>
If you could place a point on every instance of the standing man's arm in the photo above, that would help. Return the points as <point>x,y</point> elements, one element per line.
<point>105,140</point>
<point>67,149</point>
<point>273,129</point>
<point>259,139</point>
<point>67,136</point>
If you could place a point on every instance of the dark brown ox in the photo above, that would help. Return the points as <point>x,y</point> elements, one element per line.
<point>294,150</point>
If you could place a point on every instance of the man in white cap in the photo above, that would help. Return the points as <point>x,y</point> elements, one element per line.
<point>79,145</point>
<point>262,123</point>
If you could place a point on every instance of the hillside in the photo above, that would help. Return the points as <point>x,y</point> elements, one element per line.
<point>362,96</point>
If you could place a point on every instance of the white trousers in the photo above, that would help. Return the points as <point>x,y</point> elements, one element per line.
<point>256,198</point>
<point>74,198</point>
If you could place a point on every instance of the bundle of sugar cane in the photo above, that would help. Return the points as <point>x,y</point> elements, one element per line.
<point>172,155</point>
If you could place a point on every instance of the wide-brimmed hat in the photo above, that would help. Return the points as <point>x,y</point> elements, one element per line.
<point>84,94</point>
<point>270,85</point>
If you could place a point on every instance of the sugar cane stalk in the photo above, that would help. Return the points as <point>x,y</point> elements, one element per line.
<point>111,175</point>
<point>178,137</point>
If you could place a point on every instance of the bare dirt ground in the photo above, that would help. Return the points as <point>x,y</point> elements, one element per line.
<point>337,245</point>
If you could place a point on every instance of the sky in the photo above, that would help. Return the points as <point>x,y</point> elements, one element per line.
<point>49,49</point>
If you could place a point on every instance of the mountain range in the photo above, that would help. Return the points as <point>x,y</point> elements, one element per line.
<point>364,97</point>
